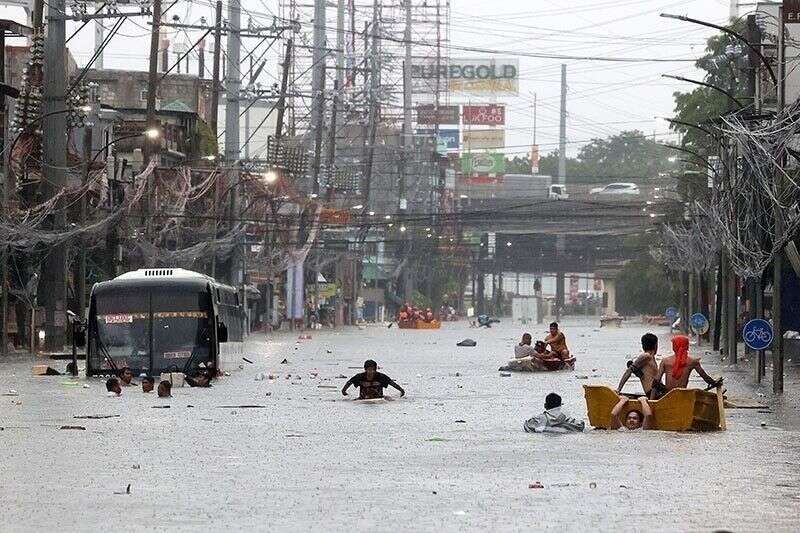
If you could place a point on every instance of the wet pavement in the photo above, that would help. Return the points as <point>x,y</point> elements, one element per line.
<point>449,456</point>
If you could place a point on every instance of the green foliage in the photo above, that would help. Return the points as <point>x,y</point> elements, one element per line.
<point>630,154</point>
<point>420,301</point>
<point>726,66</point>
<point>643,287</point>
<point>207,142</point>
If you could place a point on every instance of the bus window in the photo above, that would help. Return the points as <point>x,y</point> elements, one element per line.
<point>181,328</point>
<point>122,322</point>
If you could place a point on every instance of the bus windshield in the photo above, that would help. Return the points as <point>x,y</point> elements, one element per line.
<point>174,321</point>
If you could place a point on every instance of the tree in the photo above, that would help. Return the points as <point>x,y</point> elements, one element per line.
<point>727,66</point>
<point>628,154</point>
<point>643,287</point>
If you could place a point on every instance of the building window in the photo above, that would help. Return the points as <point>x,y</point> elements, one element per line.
<point>143,96</point>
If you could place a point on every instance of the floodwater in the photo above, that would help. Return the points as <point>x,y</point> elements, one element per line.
<point>450,456</point>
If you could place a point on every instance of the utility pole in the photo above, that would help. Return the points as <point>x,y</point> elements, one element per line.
<point>562,129</point>
<point>232,147</point>
<point>54,141</point>
<point>406,140</point>
<point>373,107</point>
<point>150,148</point>
<point>99,37</point>
<point>562,178</point>
<point>215,72</point>
<point>777,261</point>
<point>318,55</point>
<point>407,146</point>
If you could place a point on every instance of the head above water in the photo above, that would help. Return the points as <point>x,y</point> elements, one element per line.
<point>148,384</point>
<point>164,389</point>
<point>552,400</point>
<point>649,343</point>
<point>540,346</point>
<point>370,367</point>
<point>526,338</point>
<point>634,419</point>
<point>112,385</point>
<point>126,375</point>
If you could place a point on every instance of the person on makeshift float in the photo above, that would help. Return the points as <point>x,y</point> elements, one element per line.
<point>371,383</point>
<point>635,419</point>
<point>557,342</point>
<point>645,368</point>
<point>429,315</point>
<point>402,315</point>
<point>526,358</point>
<point>677,368</point>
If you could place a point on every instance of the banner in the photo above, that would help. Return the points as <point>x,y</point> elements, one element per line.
<point>484,139</point>
<point>448,138</point>
<point>474,164</point>
<point>486,76</point>
<point>483,179</point>
<point>791,11</point>
<point>484,115</point>
<point>445,114</point>
<point>535,159</point>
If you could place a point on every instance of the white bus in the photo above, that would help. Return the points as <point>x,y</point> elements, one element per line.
<point>163,319</point>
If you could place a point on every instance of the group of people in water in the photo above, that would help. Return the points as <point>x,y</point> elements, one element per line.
<point>551,353</point>
<point>675,371</point>
<point>408,313</point>
<point>124,378</point>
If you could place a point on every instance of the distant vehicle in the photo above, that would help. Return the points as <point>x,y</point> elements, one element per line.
<point>558,192</point>
<point>617,188</point>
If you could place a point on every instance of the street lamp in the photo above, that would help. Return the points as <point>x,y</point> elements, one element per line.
<point>270,176</point>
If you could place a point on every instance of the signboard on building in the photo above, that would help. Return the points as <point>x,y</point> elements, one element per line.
<point>484,139</point>
<point>573,289</point>
<point>447,140</point>
<point>445,114</point>
<point>473,76</point>
<point>484,115</point>
<point>791,11</point>
<point>483,164</point>
<point>483,179</point>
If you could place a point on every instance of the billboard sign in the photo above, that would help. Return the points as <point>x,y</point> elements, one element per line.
<point>484,139</point>
<point>791,11</point>
<point>473,76</point>
<point>483,179</point>
<point>445,114</point>
<point>448,138</point>
<point>484,115</point>
<point>483,164</point>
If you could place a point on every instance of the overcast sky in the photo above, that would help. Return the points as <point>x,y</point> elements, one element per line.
<point>603,98</point>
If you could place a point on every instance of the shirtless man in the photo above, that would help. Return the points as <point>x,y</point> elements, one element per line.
<point>677,368</point>
<point>644,367</point>
<point>557,342</point>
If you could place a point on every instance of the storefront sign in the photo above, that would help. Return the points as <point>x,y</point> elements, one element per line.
<point>484,139</point>
<point>791,11</point>
<point>484,115</point>
<point>445,114</point>
<point>483,164</point>
<point>448,138</point>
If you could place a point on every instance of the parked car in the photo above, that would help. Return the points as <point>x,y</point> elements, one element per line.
<point>558,192</point>
<point>617,188</point>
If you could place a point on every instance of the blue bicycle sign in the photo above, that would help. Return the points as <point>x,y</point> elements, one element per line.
<point>699,324</point>
<point>671,313</point>
<point>757,334</point>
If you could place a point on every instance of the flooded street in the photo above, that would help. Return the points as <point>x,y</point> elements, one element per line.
<point>449,456</point>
